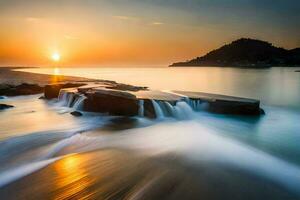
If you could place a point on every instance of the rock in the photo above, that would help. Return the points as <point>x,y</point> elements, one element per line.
<point>112,102</point>
<point>23,89</point>
<point>52,90</point>
<point>76,113</point>
<point>125,87</point>
<point>262,112</point>
<point>149,109</point>
<point>121,123</point>
<point>5,106</point>
<point>1,97</point>
<point>225,104</point>
<point>234,108</point>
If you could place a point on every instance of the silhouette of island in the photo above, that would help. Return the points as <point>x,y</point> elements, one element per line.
<point>247,52</point>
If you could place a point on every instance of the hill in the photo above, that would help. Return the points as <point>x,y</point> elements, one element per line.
<point>247,52</point>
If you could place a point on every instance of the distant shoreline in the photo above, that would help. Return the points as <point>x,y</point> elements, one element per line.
<point>9,76</point>
<point>235,66</point>
<point>246,52</point>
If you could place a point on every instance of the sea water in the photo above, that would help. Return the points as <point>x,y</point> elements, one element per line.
<point>34,133</point>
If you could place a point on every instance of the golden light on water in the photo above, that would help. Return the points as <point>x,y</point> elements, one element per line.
<point>72,177</point>
<point>56,71</point>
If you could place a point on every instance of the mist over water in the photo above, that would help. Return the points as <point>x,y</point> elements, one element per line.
<point>248,154</point>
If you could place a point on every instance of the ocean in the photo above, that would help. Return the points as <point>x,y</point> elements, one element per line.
<point>236,157</point>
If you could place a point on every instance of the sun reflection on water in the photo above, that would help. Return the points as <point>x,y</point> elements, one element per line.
<point>72,178</point>
<point>56,71</point>
<point>56,75</point>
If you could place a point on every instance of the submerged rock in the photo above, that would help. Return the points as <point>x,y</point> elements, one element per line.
<point>5,106</point>
<point>23,89</point>
<point>76,113</point>
<point>121,123</point>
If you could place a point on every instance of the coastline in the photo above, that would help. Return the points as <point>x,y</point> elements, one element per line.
<point>8,76</point>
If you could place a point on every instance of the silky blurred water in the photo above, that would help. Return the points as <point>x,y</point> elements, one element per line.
<point>37,133</point>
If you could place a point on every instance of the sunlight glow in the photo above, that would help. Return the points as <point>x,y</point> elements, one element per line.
<point>55,57</point>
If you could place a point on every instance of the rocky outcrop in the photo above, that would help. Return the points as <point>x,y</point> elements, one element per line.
<point>112,102</point>
<point>147,103</point>
<point>5,106</point>
<point>52,90</point>
<point>223,104</point>
<point>234,107</point>
<point>22,89</point>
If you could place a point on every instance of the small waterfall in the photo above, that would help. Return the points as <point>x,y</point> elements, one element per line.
<point>158,111</point>
<point>171,109</point>
<point>196,104</point>
<point>70,99</point>
<point>182,110</point>
<point>78,103</point>
<point>141,108</point>
<point>63,95</point>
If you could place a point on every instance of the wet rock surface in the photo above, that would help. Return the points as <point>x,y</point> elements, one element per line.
<point>76,113</point>
<point>5,106</point>
<point>121,123</point>
<point>22,89</point>
<point>111,102</point>
<point>52,90</point>
<point>129,101</point>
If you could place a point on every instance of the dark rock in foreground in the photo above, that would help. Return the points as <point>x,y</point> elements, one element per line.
<point>5,106</point>
<point>76,113</point>
<point>23,89</point>
<point>111,102</point>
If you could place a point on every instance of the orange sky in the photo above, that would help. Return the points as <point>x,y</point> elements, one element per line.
<point>107,33</point>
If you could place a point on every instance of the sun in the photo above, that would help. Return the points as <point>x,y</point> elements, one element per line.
<point>55,57</point>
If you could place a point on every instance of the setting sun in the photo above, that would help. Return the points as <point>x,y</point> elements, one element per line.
<point>55,57</point>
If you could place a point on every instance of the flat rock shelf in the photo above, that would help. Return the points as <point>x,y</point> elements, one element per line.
<point>125,100</point>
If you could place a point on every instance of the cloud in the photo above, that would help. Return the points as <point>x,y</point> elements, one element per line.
<point>157,23</point>
<point>33,19</point>
<point>123,17</point>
